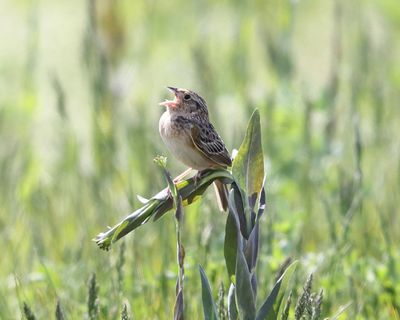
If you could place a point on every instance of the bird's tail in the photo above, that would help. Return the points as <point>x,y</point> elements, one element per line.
<point>221,192</point>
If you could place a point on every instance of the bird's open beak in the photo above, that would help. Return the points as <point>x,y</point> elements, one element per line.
<point>171,103</point>
<point>173,90</point>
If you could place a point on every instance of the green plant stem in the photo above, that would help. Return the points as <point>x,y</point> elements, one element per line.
<point>190,190</point>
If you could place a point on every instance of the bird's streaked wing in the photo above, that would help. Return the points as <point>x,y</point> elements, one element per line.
<point>206,139</point>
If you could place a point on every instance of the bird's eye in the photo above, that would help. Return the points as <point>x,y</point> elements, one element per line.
<point>186,97</point>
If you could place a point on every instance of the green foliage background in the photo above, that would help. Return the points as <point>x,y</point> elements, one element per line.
<point>79,87</point>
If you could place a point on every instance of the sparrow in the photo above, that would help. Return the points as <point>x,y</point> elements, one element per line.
<point>187,132</point>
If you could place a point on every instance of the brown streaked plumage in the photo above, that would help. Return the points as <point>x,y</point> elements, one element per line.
<point>188,133</point>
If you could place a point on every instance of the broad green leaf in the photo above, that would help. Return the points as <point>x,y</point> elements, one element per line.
<point>248,165</point>
<point>191,190</point>
<point>121,227</point>
<point>232,236</point>
<point>209,308</point>
<point>230,244</point>
<point>271,306</point>
<point>131,222</point>
<point>251,248</point>
<point>244,292</point>
<point>253,281</point>
<point>240,211</point>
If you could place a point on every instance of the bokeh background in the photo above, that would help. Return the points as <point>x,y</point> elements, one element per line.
<point>80,83</point>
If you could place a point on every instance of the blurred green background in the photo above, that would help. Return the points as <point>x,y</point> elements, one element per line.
<point>79,86</point>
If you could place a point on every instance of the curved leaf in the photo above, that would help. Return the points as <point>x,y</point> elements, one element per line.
<point>232,310</point>
<point>244,291</point>
<point>252,246</point>
<point>271,306</point>
<point>231,237</point>
<point>159,204</point>
<point>248,165</point>
<point>209,308</point>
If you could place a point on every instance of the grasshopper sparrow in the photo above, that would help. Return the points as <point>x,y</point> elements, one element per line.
<point>188,133</point>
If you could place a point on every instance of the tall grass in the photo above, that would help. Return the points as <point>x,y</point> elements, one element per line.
<point>78,124</point>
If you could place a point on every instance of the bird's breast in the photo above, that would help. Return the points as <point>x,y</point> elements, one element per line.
<point>167,127</point>
<point>177,139</point>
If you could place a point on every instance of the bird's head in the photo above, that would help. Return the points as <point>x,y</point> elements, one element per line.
<point>185,102</point>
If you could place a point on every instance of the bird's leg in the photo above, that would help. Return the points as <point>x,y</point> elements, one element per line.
<point>182,175</point>
<point>197,177</point>
<point>178,179</point>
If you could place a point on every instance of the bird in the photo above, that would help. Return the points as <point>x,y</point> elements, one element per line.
<point>189,135</point>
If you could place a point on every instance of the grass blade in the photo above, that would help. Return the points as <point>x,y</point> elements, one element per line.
<point>244,291</point>
<point>271,306</point>
<point>29,315</point>
<point>209,308</point>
